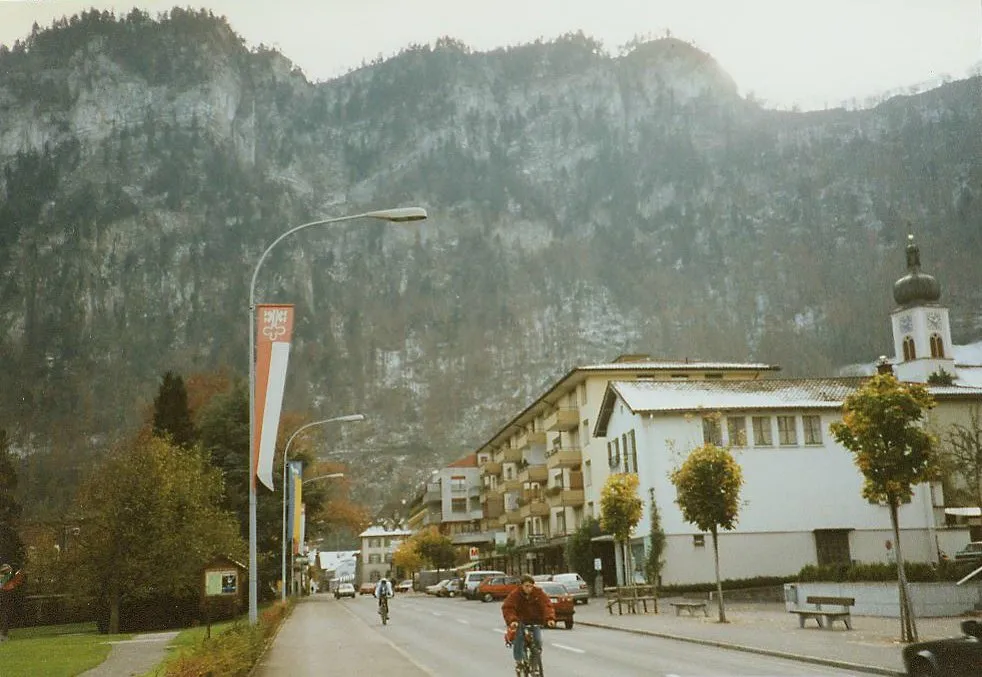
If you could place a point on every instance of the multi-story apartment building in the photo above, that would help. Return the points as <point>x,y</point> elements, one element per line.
<point>544,470</point>
<point>377,546</point>
<point>451,501</point>
<point>540,476</point>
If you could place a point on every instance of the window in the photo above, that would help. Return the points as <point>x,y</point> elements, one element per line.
<point>613,454</point>
<point>458,505</point>
<point>736,429</point>
<point>587,474</point>
<point>561,522</point>
<point>388,557</point>
<point>762,431</point>
<point>458,483</point>
<point>813,429</point>
<point>909,352</point>
<point>374,559</point>
<point>375,543</point>
<point>586,429</point>
<point>712,432</point>
<point>699,540</point>
<point>787,433</point>
<point>937,346</point>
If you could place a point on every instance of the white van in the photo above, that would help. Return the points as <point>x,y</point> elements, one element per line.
<point>471,580</point>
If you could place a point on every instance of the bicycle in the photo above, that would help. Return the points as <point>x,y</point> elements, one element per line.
<point>531,666</point>
<point>383,608</point>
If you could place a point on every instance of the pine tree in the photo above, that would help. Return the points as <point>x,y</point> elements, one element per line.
<point>171,415</point>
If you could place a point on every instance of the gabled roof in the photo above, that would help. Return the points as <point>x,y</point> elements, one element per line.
<point>468,461</point>
<point>382,531</point>
<point>641,364</point>
<point>692,396</point>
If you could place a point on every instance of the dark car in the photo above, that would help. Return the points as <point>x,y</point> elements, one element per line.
<point>562,601</point>
<point>970,553</point>
<point>954,657</point>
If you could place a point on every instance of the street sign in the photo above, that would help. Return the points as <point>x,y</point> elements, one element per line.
<point>475,553</point>
<point>597,564</point>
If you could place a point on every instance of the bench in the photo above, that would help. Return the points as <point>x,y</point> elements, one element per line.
<point>631,598</point>
<point>690,606</point>
<point>829,616</point>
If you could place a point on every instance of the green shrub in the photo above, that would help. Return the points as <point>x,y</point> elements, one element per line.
<point>917,572</point>
<point>232,653</point>
<point>728,584</point>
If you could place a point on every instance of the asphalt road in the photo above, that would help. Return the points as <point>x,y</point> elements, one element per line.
<point>453,637</point>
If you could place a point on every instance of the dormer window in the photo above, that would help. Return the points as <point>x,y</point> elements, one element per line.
<point>909,352</point>
<point>937,346</point>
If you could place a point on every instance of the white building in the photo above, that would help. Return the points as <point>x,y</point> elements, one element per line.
<point>801,499</point>
<point>377,546</point>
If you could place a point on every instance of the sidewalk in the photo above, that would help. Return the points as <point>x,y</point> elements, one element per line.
<point>767,628</point>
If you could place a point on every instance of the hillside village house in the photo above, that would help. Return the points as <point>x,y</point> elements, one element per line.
<point>542,473</point>
<point>377,546</point>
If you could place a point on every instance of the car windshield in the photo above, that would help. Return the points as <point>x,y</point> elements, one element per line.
<point>553,588</point>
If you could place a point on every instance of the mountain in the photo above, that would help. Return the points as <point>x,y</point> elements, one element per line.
<point>581,206</point>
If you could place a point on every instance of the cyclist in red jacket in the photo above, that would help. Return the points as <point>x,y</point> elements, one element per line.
<point>528,604</point>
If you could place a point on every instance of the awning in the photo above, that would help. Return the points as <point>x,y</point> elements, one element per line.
<point>964,512</point>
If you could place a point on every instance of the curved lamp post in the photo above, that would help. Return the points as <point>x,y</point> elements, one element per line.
<point>399,215</point>
<point>286,456</point>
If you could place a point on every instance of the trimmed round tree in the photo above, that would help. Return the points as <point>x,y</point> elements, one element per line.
<point>620,512</point>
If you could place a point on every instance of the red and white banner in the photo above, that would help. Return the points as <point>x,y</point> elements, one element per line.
<point>274,331</point>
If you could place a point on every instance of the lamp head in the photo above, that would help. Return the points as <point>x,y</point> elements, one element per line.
<point>399,214</point>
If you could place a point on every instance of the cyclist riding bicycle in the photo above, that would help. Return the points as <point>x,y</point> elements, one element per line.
<point>383,590</point>
<point>526,605</point>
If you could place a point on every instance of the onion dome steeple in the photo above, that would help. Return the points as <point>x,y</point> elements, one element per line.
<point>915,288</point>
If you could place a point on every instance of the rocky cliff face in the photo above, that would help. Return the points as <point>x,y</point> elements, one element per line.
<point>581,206</point>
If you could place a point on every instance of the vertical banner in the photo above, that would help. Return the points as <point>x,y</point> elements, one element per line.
<point>294,474</point>
<point>275,329</point>
<point>296,515</point>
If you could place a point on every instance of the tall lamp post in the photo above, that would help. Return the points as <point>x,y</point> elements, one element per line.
<point>398,215</point>
<point>286,457</point>
<point>329,476</point>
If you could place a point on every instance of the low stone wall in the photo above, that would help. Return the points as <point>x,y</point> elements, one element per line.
<point>882,599</point>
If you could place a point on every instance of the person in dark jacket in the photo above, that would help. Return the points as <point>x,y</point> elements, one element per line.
<point>528,604</point>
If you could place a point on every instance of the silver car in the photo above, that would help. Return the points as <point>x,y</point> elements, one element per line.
<point>579,589</point>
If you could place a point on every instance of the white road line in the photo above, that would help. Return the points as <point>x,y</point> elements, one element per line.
<point>464,621</point>
<point>568,648</point>
<point>436,613</point>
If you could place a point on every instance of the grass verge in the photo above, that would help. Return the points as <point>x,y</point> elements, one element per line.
<point>54,650</point>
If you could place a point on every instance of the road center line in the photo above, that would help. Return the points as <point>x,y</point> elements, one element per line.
<point>568,648</point>
<point>464,621</point>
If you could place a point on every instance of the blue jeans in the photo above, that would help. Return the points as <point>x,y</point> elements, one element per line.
<point>518,646</point>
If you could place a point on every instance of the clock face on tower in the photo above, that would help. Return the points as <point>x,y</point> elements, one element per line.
<point>934,320</point>
<point>906,324</point>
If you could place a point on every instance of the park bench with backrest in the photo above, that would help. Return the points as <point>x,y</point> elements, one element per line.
<point>826,611</point>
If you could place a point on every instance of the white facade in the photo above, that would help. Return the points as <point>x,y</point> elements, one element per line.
<point>377,546</point>
<point>801,493</point>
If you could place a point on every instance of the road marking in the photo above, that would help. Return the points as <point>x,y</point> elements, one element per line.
<point>464,621</point>
<point>436,613</point>
<point>568,648</point>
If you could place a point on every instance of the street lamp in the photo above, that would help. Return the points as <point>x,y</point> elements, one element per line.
<point>330,476</point>
<point>286,455</point>
<point>398,215</point>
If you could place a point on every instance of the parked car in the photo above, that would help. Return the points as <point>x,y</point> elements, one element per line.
<point>451,589</point>
<point>970,553</point>
<point>472,579</point>
<point>562,601</point>
<point>952,657</point>
<point>344,590</point>
<point>366,589</point>
<point>436,587</point>
<point>404,586</point>
<point>496,587</point>
<point>578,588</point>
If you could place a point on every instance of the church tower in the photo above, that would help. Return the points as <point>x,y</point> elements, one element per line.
<point>921,331</point>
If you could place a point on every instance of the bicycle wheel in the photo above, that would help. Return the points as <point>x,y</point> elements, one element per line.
<point>535,664</point>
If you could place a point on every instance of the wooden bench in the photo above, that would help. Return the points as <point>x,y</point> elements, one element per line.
<point>631,599</point>
<point>690,606</point>
<point>829,616</point>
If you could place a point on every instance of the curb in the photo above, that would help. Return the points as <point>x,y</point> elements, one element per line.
<point>872,669</point>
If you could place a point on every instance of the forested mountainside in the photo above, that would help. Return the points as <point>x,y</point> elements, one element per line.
<point>582,205</point>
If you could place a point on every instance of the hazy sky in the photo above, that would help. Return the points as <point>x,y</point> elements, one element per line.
<point>812,53</point>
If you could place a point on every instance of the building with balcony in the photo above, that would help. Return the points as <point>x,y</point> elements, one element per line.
<point>548,451</point>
